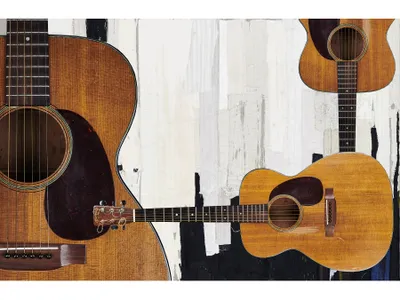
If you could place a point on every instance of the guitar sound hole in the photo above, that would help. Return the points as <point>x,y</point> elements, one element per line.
<point>347,43</point>
<point>32,145</point>
<point>284,212</point>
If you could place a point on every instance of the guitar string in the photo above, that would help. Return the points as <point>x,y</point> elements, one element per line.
<point>40,152</point>
<point>47,92</point>
<point>16,140</point>
<point>24,137</point>
<point>9,128</point>
<point>32,144</point>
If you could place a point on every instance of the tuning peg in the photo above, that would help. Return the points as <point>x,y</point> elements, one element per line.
<point>103,202</point>
<point>113,203</point>
<point>123,203</point>
<point>114,227</point>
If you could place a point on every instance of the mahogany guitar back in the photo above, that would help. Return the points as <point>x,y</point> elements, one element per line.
<point>93,84</point>
<point>375,69</point>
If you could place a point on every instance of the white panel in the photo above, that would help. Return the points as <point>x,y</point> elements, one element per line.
<point>167,124</point>
<point>67,27</point>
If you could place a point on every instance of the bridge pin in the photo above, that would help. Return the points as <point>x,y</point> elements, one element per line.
<point>40,256</point>
<point>48,255</point>
<point>7,255</point>
<point>32,255</point>
<point>15,255</point>
<point>24,255</point>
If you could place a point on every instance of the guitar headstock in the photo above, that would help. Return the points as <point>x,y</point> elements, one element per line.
<point>114,216</point>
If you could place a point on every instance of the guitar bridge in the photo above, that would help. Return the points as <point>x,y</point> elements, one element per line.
<point>330,212</point>
<point>40,257</point>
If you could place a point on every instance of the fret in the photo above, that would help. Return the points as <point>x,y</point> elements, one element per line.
<point>134,215</point>
<point>163,214</point>
<point>233,214</point>
<point>23,32</point>
<point>144,212</point>
<point>263,215</point>
<point>180,214</point>
<point>247,212</point>
<point>154,215</point>
<point>202,213</point>
<point>27,45</point>
<point>26,67</point>
<point>209,213</point>
<point>172,214</point>
<point>195,214</point>
<point>28,86</point>
<point>28,95</point>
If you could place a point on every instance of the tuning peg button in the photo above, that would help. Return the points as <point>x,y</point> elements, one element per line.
<point>103,202</point>
<point>123,202</point>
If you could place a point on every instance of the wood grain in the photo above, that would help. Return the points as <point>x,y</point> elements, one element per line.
<point>375,69</point>
<point>95,81</point>
<point>364,225</point>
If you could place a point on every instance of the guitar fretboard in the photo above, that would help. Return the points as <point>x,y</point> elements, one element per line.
<point>27,62</point>
<point>216,214</point>
<point>347,104</point>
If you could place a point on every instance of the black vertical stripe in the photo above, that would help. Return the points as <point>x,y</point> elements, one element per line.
<point>97,29</point>
<point>394,247</point>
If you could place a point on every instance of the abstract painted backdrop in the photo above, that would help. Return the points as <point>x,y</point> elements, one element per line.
<point>218,98</point>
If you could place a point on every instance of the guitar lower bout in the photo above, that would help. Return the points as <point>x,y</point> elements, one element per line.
<point>350,227</point>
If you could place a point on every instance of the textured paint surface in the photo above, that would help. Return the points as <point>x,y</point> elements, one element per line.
<point>222,97</point>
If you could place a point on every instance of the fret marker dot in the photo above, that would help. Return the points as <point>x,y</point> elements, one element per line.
<point>176,215</point>
<point>347,143</point>
<point>191,214</point>
<point>206,214</point>
<point>27,38</point>
<point>347,91</point>
<point>347,128</point>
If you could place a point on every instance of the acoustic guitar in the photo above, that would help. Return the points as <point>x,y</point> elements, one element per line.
<point>347,56</point>
<point>66,104</point>
<point>337,211</point>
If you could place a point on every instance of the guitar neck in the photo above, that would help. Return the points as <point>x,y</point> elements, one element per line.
<point>27,63</point>
<point>347,105</point>
<point>255,213</point>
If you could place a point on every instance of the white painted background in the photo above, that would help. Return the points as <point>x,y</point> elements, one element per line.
<point>222,97</point>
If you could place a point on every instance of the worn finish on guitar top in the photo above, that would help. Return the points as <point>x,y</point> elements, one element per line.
<point>375,69</point>
<point>364,223</point>
<point>94,81</point>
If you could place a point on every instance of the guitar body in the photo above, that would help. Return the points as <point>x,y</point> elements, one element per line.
<point>376,67</point>
<point>364,210</point>
<point>93,89</point>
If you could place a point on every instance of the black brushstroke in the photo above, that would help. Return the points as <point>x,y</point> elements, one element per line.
<point>234,262</point>
<point>375,143</point>
<point>97,29</point>
<point>394,247</point>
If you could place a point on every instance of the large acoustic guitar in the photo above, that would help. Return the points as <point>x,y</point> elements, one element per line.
<point>338,212</point>
<point>347,56</point>
<point>66,104</point>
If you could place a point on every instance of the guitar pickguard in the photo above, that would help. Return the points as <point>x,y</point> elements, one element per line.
<point>85,182</point>
<point>307,190</point>
<point>319,31</point>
